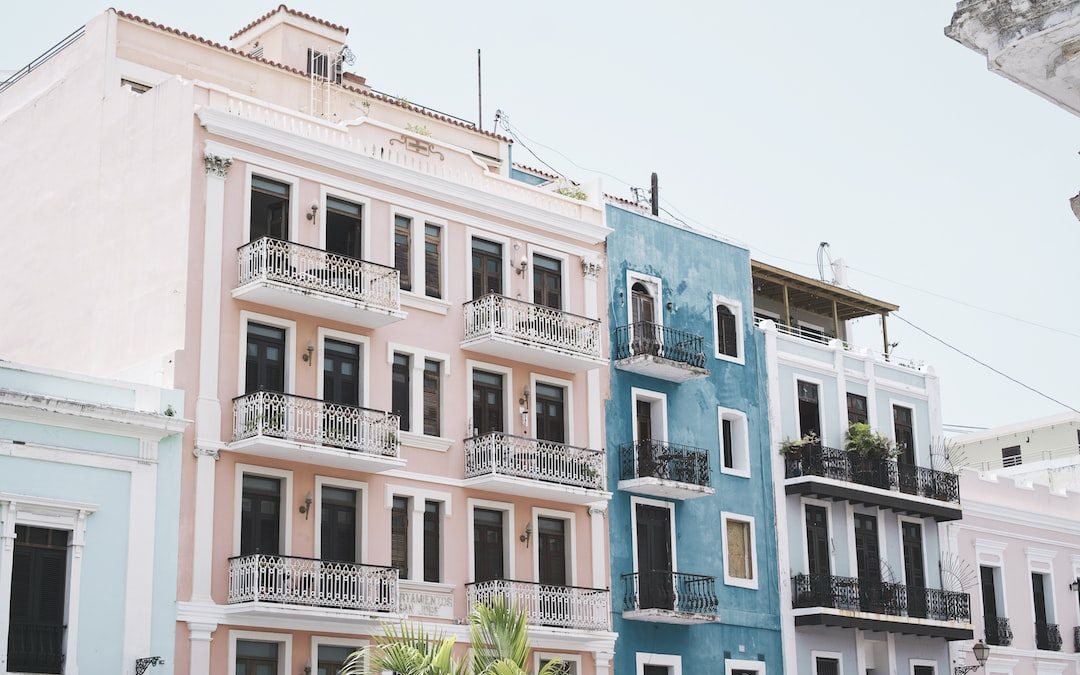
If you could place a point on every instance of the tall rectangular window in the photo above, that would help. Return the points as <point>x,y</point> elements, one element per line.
<point>432,398</point>
<point>265,362</point>
<point>739,555</point>
<point>399,536</point>
<point>400,395</point>
<point>402,249</point>
<point>269,209</point>
<point>547,281</point>
<point>904,432</point>
<point>856,409</point>
<point>729,446</point>
<point>260,515</point>
<point>727,331</point>
<point>344,227</point>
<point>487,263</point>
<point>433,261</point>
<point>36,618</point>
<point>809,410</point>
<point>432,541</point>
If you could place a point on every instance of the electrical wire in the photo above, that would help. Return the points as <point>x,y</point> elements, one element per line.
<point>985,364</point>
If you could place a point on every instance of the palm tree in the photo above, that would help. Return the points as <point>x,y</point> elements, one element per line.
<point>499,636</point>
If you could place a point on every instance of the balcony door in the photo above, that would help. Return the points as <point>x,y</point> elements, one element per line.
<point>654,557</point>
<point>551,551</point>
<point>488,544</point>
<point>265,367</point>
<point>914,570</point>
<point>36,615</point>
<point>646,339</point>
<point>341,372</point>
<point>547,282</point>
<point>1042,615</point>
<point>488,408</point>
<point>260,515</point>
<point>344,227</point>
<point>550,413</point>
<point>990,605</point>
<point>487,267</point>
<point>817,543</point>
<point>904,433</point>
<point>809,410</point>
<point>868,562</point>
<point>338,526</point>
<point>269,209</point>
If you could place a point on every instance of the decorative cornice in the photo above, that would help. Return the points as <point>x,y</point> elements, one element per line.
<point>591,268</point>
<point>217,166</point>
<point>74,414</point>
<point>202,451</point>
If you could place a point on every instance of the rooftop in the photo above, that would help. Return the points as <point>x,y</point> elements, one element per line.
<point>814,295</point>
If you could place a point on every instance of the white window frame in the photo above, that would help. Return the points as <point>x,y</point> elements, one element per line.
<point>740,438</point>
<point>294,197</point>
<point>568,403</point>
<point>731,665</point>
<point>361,488</point>
<point>570,519</point>
<point>575,659</point>
<point>239,470</point>
<point>509,536</point>
<point>365,218</point>
<point>363,341</point>
<point>900,520</point>
<point>1040,560</point>
<point>509,402</point>
<point>654,397</point>
<point>670,506</point>
<point>324,641</point>
<point>284,655</point>
<point>836,656</point>
<point>729,580</point>
<point>900,403</point>
<point>990,553</point>
<point>418,439</point>
<point>827,505</point>
<point>533,250</point>
<point>820,384</point>
<point>289,325</point>
<point>418,498</point>
<point>672,661</point>
<point>417,233</point>
<point>654,284</point>
<point>912,663</point>
<point>740,340</point>
<point>509,250</point>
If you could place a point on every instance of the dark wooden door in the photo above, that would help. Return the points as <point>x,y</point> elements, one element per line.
<point>989,600</point>
<point>547,282</point>
<point>817,542</point>
<point>341,372</point>
<point>487,267</point>
<point>809,410</point>
<point>654,557</point>
<point>344,227</point>
<point>904,432</point>
<point>551,535</point>
<point>646,339</point>
<point>488,544</point>
<point>338,527</point>
<point>1038,592</point>
<point>550,413</point>
<point>488,409</point>
<point>914,570</point>
<point>265,367</point>
<point>38,584</point>
<point>260,517</point>
<point>868,562</point>
<point>646,450</point>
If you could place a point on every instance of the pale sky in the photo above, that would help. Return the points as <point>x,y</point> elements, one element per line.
<point>779,124</point>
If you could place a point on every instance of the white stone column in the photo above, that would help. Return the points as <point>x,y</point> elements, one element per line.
<point>837,348</point>
<point>74,592</point>
<point>603,663</point>
<point>140,561</point>
<point>7,551</point>
<point>599,535</point>
<point>201,635</point>
<point>594,402</point>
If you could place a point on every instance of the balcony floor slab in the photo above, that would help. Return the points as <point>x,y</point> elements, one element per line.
<point>317,303</point>
<point>827,616</point>
<point>669,489</point>
<point>308,453</point>
<point>670,616</point>
<point>534,353</point>
<point>831,488</point>
<point>537,489</point>
<point>660,368</point>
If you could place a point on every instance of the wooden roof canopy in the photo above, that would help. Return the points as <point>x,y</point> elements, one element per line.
<point>813,295</point>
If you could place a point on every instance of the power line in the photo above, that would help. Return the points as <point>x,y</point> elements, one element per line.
<point>985,364</point>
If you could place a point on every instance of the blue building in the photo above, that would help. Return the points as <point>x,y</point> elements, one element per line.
<point>693,543</point>
<point>89,514</point>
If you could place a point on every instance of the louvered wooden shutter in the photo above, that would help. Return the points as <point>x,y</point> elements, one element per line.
<point>399,536</point>
<point>432,403</point>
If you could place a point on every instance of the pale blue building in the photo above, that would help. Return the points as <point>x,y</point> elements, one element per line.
<point>89,516</point>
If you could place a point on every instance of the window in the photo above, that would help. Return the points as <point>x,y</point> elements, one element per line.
<point>922,670</point>
<point>432,541</point>
<point>265,364</point>
<point>856,409</point>
<point>269,209</point>
<point>38,583</point>
<point>403,250</point>
<point>136,87</point>
<point>550,404</point>
<point>433,261</point>
<point>338,524</point>
<point>809,410</point>
<point>734,443</point>
<point>399,536</point>
<point>547,281</point>
<point>488,544</point>
<point>824,665</point>
<point>256,658</point>
<point>990,583</point>
<point>400,396</point>
<point>740,568</point>
<point>744,667</point>
<point>658,664</point>
<point>260,515</point>
<point>488,404</point>
<point>904,432</point>
<point>1044,616</point>
<point>341,372</point>
<point>1011,456</point>
<point>726,332</point>
<point>344,227</point>
<point>331,658</point>
<point>567,664</point>
<point>432,398</point>
<point>487,267</point>
<point>656,670</point>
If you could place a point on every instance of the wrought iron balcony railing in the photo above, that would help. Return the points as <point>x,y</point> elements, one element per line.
<point>998,631</point>
<point>652,339</point>
<point>308,420</point>
<point>313,583</point>
<point>534,325</point>
<point>1048,637</point>
<point>547,605</point>
<point>35,647</point>
<point>532,458</point>
<point>269,259</point>
<point>674,591</point>
<point>666,461</point>
<point>879,597</point>
<point>885,474</point>
<point>1076,639</point>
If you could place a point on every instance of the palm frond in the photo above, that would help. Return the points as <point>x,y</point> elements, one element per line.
<point>498,632</point>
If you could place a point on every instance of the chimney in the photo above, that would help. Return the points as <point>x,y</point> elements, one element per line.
<point>655,195</point>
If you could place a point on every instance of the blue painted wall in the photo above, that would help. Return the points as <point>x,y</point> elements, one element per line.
<point>693,267</point>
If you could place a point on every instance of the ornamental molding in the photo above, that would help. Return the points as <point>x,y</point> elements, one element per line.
<point>591,268</point>
<point>216,165</point>
<point>203,451</point>
<point>434,603</point>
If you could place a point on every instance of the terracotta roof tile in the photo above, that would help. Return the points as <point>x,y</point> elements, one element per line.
<point>356,90</point>
<point>537,172</point>
<point>302,15</point>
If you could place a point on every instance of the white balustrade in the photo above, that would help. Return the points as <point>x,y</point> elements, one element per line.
<point>295,418</point>
<point>547,605</point>
<point>268,259</point>
<point>314,583</point>
<point>499,453</point>
<point>534,325</point>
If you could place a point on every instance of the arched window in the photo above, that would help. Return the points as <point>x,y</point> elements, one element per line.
<point>642,306</point>
<point>727,332</point>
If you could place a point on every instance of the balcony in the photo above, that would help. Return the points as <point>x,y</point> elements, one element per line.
<point>661,469</point>
<point>567,607</point>
<point>872,604</point>
<point>837,474</point>
<point>35,647</point>
<point>273,585</point>
<point>659,351</point>
<point>311,281</point>
<point>1048,637</point>
<point>998,632</point>
<point>299,429</point>
<point>670,597</point>
<point>531,467</point>
<point>521,331</point>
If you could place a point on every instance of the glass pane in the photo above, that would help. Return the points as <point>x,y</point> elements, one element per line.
<point>342,206</point>
<point>271,186</point>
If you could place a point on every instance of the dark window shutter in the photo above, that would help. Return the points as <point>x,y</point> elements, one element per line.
<point>432,412</point>
<point>400,390</point>
<point>402,244</point>
<point>22,566</point>
<point>729,452</point>
<point>432,267</point>
<point>727,337</point>
<point>432,537</point>
<point>399,536</point>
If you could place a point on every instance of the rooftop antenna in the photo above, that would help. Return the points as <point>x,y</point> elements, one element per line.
<point>837,268</point>
<point>479,92</point>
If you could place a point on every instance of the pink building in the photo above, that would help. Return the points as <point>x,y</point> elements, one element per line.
<point>1017,551</point>
<point>393,350</point>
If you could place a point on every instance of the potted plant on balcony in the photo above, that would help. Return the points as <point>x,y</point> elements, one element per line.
<point>793,448</point>
<point>868,451</point>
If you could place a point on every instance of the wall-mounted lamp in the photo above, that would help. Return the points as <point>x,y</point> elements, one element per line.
<point>981,652</point>
<point>523,408</point>
<point>310,349</point>
<point>526,536</point>
<point>312,212</point>
<point>1075,585</point>
<point>307,668</point>
<point>305,508</point>
<point>670,306</point>
<point>522,265</point>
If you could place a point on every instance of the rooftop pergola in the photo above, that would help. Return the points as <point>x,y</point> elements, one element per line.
<point>795,290</point>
